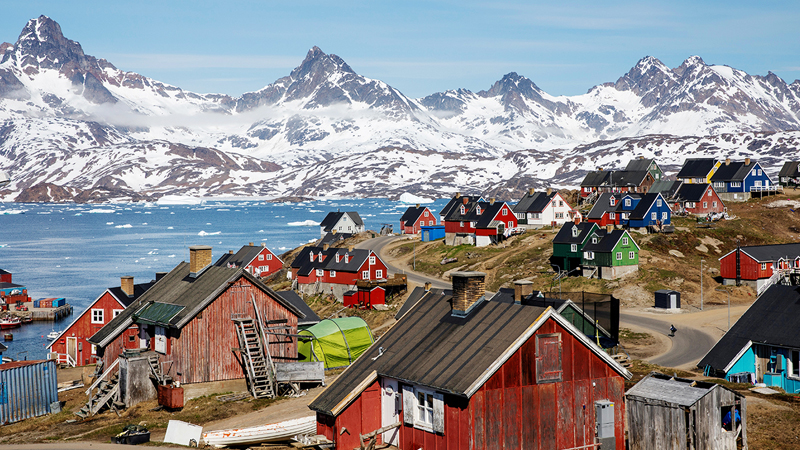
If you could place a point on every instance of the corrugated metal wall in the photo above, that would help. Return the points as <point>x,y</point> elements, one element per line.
<point>26,390</point>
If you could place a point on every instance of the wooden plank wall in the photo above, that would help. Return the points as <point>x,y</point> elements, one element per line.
<point>654,424</point>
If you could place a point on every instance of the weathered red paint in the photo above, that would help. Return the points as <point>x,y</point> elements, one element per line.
<point>510,410</point>
<point>82,329</point>
<point>265,263</point>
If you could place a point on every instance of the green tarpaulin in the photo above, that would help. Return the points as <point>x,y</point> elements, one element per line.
<point>336,342</point>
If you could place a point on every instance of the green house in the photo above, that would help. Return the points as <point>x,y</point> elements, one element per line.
<point>609,254</point>
<point>646,164</point>
<point>569,242</point>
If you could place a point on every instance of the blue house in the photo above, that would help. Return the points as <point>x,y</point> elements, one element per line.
<point>431,232</point>
<point>735,181</point>
<point>651,210</point>
<point>763,346</point>
<point>626,205</point>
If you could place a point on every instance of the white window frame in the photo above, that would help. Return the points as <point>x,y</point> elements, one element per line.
<point>116,312</point>
<point>663,216</point>
<point>98,315</point>
<point>462,210</point>
<point>428,417</point>
<point>588,255</point>
<point>430,223</point>
<point>763,266</point>
<point>627,202</point>
<point>658,203</point>
<point>505,212</point>
<point>713,204</point>
<point>333,274</point>
<point>260,257</point>
<point>426,213</point>
<point>269,256</point>
<point>573,248</point>
<point>612,215</point>
<point>625,241</point>
<point>372,259</point>
<point>378,273</point>
<point>619,256</point>
<point>365,274</point>
<point>653,215</point>
<point>320,272</point>
<point>631,255</point>
<point>705,204</point>
<point>575,231</point>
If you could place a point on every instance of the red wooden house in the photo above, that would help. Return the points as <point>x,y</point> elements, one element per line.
<point>479,223</point>
<point>754,265</point>
<point>72,346</point>
<point>460,372</point>
<point>416,217</point>
<point>255,259</point>
<point>5,276</point>
<point>698,199</point>
<point>186,318</point>
<point>335,270</point>
<point>365,297</point>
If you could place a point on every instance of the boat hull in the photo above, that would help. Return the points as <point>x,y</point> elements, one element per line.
<point>274,432</point>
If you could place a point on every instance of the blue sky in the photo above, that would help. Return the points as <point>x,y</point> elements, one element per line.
<point>421,47</point>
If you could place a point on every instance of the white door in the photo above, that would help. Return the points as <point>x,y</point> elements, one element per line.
<point>390,413</point>
<point>72,350</point>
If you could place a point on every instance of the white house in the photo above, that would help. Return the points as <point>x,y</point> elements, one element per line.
<point>539,209</point>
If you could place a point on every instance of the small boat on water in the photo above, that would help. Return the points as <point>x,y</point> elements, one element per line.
<point>273,432</point>
<point>53,335</point>
<point>8,322</point>
<point>8,337</point>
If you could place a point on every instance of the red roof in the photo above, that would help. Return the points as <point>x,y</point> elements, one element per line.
<point>15,364</point>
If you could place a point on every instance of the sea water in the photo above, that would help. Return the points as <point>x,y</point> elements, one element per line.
<point>78,251</point>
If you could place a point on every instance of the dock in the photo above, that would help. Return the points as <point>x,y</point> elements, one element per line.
<point>43,314</point>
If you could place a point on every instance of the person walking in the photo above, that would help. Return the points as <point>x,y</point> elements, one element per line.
<point>672,330</point>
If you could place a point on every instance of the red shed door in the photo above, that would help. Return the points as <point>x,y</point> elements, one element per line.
<point>390,414</point>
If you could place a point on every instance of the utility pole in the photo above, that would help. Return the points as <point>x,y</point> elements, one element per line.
<point>701,283</point>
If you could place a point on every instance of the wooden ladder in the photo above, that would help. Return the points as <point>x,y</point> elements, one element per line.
<point>260,368</point>
<point>155,371</point>
<point>107,395</point>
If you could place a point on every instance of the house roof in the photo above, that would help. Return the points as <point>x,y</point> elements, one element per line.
<point>5,285</point>
<point>639,164</point>
<point>416,295</point>
<point>242,258</point>
<point>177,297</point>
<point>333,218</point>
<point>331,238</point>
<point>672,390</point>
<point>607,241</point>
<point>603,205</point>
<point>412,214</point>
<point>771,320</point>
<point>769,253</point>
<point>305,265</point>
<point>628,177</point>
<point>696,167</point>
<point>3,347</point>
<point>456,200</point>
<point>482,220</point>
<point>564,235</point>
<point>4,272</point>
<point>692,192</point>
<point>790,169</point>
<point>310,316</point>
<point>667,188</point>
<point>644,205</point>
<point>429,346</point>
<point>535,202</point>
<point>595,178</point>
<point>735,171</point>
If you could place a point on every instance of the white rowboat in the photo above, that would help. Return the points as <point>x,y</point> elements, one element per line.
<point>273,432</point>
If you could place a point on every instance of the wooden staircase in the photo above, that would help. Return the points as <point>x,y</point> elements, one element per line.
<point>107,395</point>
<point>156,373</point>
<point>260,369</point>
<point>623,359</point>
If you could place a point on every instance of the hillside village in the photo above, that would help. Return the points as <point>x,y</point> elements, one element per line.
<point>519,333</point>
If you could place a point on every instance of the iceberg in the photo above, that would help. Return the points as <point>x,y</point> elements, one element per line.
<point>102,211</point>
<point>305,223</point>
<point>127,225</point>
<point>411,198</point>
<point>205,233</point>
<point>179,200</point>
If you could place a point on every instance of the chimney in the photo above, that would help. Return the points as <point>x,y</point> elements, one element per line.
<point>549,191</point>
<point>325,247</point>
<point>427,286</point>
<point>230,252</point>
<point>465,200</point>
<point>350,249</point>
<point>417,205</point>
<point>600,169</point>
<point>126,284</point>
<point>469,289</point>
<point>609,228</point>
<point>522,288</point>
<point>491,201</point>
<point>747,161</point>
<point>458,194</point>
<point>199,259</point>
<point>577,218</point>
<point>531,191</point>
<point>250,244</point>
<point>641,156</point>
<point>160,275</point>
<point>263,245</point>
<point>727,161</point>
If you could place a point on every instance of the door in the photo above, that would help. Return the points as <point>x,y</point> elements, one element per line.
<point>72,350</point>
<point>390,410</point>
<point>673,301</point>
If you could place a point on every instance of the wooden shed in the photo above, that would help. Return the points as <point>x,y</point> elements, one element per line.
<point>675,413</point>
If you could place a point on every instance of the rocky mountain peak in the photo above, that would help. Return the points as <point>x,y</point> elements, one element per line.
<point>649,79</point>
<point>692,64</point>
<point>319,63</point>
<point>42,45</point>
<point>513,83</point>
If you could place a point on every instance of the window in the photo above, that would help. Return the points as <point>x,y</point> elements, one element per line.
<point>574,232</point>
<point>573,248</point>
<point>115,312</point>
<point>510,224</point>
<point>719,184</point>
<point>705,204</point>
<point>588,255</point>
<point>664,216</point>
<point>260,257</point>
<point>97,316</point>
<point>627,202</point>
<point>372,260</point>
<point>132,338</point>
<point>269,256</point>
<point>654,215</point>
<point>753,172</point>
<point>462,209</point>
<point>658,203</point>
<point>337,257</point>
<point>624,241</point>
<point>763,266</point>
<point>461,224</point>
<point>94,349</point>
<point>319,272</point>
<point>736,184</point>
<point>333,274</point>
<point>478,210</point>
<point>631,256</point>
<point>423,408</point>
<point>619,256</point>
<point>378,274</point>
<point>594,239</point>
<point>559,215</point>
<point>426,213</point>
<point>505,212</point>
<point>561,203</point>
<point>612,201</point>
<point>713,204</point>
<point>365,275</point>
<point>472,224</point>
<point>161,340</point>
<point>430,222</point>
<point>709,192</point>
<point>548,358</point>
<point>795,360</point>
<point>612,215</point>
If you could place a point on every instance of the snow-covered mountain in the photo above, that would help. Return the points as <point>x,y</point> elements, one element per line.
<point>75,121</point>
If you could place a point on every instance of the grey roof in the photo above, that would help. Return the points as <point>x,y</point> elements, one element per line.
<point>333,218</point>
<point>672,390</point>
<point>534,203</point>
<point>774,252</point>
<point>771,320</point>
<point>310,318</point>
<point>696,167</point>
<point>692,192</point>
<point>5,285</point>
<point>603,205</point>
<point>644,205</point>
<point>667,188</point>
<point>628,178</point>
<point>412,214</point>
<point>3,347</point>
<point>305,265</point>
<point>418,294</point>
<point>790,169</point>
<point>595,178</point>
<point>242,258</point>
<point>564,235</point>
<point>431,347</point>
<point>330,238</point>
<point>456,200</point>
<point>482,220</point>
<point>735,171</point>
<point>177,297</point>
<point>639,164</point>
<point>138,290</point>
<point>4,272</point>
<point>607,241</point>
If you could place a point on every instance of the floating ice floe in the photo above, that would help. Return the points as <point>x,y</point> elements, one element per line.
<point>305,223</point>
<point>170,228</point>
<point>171,256</point>
<point>179,200</point>
<point>411,198</point>
<point>205,233</point>
<point>109,223</point>
<point>314,210</point>
<point>101,211</point>
<point>127,225</point>
<point>283,248</point>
